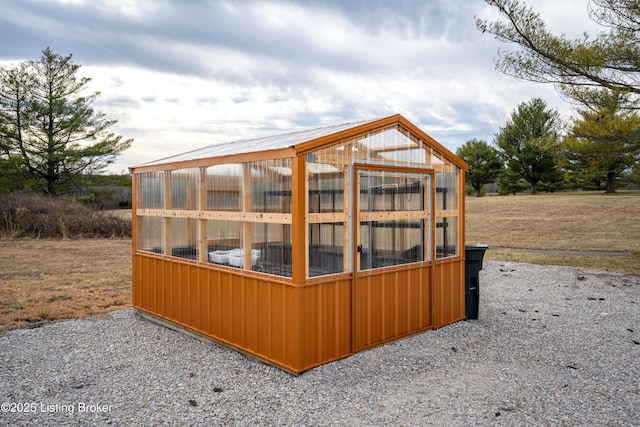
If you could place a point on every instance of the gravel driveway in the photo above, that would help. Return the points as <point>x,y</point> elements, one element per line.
<point>553,346</point>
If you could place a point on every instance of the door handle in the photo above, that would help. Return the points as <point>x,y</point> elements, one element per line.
<point>359,248</point>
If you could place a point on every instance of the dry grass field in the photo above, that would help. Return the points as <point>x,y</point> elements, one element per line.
<point>46,280</point>
<point>583,229</point>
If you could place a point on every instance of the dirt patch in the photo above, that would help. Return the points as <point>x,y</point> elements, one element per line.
<point>47,280</point>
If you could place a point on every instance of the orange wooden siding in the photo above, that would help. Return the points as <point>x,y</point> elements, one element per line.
<point>326,311</point>
<point>448,292</point>
<point>299,327</point>
<point>255,315</point>
<point>391,304</point>
<point>296,328</point>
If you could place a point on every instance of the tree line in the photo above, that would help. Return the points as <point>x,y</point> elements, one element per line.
<point>600,146</point>
<point>534,151</point>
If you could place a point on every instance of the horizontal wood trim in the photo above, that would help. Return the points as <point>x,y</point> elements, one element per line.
<point>179,213</point>
<point>149,212</point>
<point>277,218</point>
<point>373,167</point>
<point>392,216</point>
<point>261,217</point>
<point>315,218</point>
<point>221,215</point>
<point>447,213</point>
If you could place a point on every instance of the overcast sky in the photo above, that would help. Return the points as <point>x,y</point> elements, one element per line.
<point>183,74</point>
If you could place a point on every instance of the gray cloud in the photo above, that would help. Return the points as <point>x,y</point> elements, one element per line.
<point>228,69</point>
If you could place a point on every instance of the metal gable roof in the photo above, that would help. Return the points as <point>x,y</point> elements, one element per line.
<point>252,145</point>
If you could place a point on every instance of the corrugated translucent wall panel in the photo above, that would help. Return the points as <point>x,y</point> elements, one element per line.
<point>224,194</point>
<point>447,196</point>
<point>271,186</point>
<point>326,248</point>
<point>328,177</point>
<point>267,189</point>
<point>150,236</point>
<point>393,145</point>
<point>447,205</point>
<point>183,238</point>
<point>271,248</point>
<point>224,187</point>
<point>224,239</point>
<point>184,188</point>
<point>385,239</point>
<point>447,237</point>
<point>150,194</point>
<point>182,229</point>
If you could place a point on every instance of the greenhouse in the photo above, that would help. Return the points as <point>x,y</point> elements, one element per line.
<point>306,247</point>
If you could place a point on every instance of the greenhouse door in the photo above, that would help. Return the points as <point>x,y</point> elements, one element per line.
<point>393,247</point>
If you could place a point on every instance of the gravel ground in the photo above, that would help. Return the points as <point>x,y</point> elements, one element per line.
<point>553,346</point>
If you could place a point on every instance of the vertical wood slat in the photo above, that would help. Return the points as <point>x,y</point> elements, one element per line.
<point>247,206</point>
<point>202,223</point>
<point>166,222</point>
<point>345,212</point>
<point>299,225</point>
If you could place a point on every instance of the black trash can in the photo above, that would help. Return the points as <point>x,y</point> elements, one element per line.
<point>472,267</point>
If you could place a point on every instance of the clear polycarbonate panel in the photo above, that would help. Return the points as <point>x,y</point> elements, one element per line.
<point>392,191</point>
<point>184,188</point>
<point>394,212</point>
<point>387,243</point>
<point>150,190</point>
<point>224,187</point>
<point>325,187</point>
<point>326,248</point>
<point>271,248</point>
<point>393,145</point>
<point>151,234</point>
<point>447,204</point>
<point>447,237</point>
<point>446,191</point>
<point>327,193</point>
<point>184,233</point>
<point>224,240</point>
<point>150,195</point>
<point>271,186</point>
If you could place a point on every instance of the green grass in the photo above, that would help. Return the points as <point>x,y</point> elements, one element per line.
<point>593,223</point>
